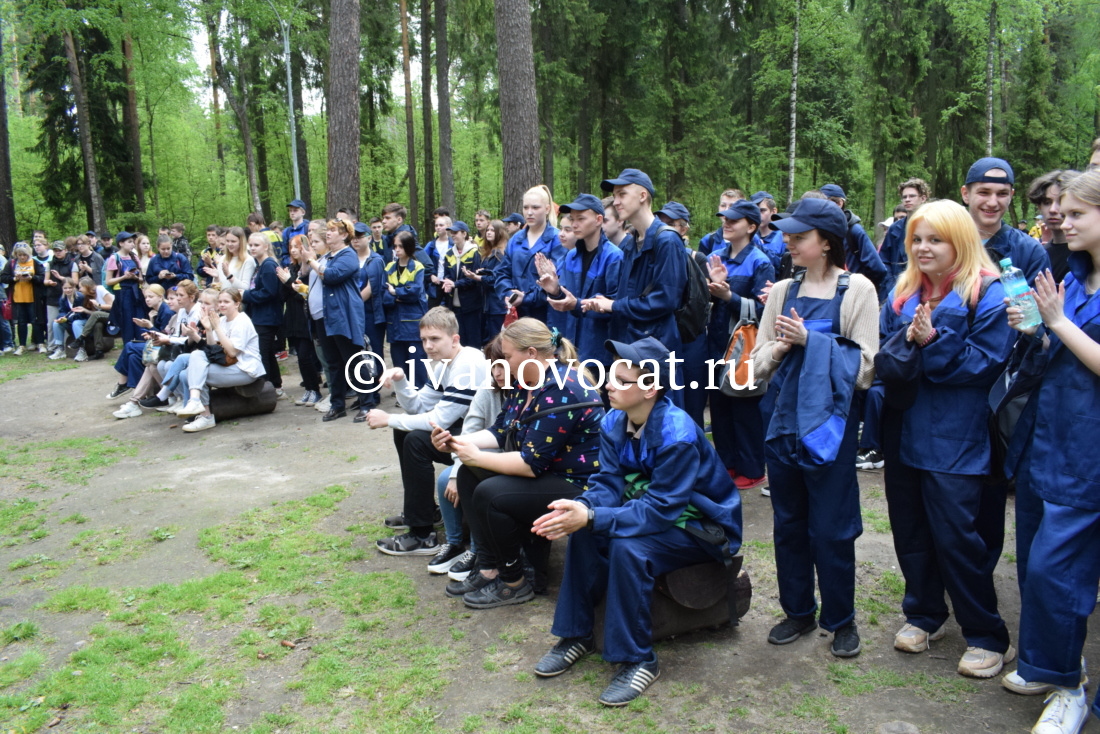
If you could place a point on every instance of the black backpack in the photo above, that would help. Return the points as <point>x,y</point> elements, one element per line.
<point>694,310</point>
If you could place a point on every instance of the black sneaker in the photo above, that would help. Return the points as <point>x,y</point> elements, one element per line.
<point>846,641</point>
<point>463,566</point>
<point>397,522</point>
<point>119,391</point>
<point>447,556</point>
<point>630,682</point>
<point>152,402</point>
<point>869,459</point>
<point>409,545</point>
<point>790,629</point>
<point>496,593</point>
<point>562,655</point>
<point>472,582</point>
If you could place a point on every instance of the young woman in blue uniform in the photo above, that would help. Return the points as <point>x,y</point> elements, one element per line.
<point>492,256</point>
<point>1059,427</point>
<point>950,306</point>
<point>124,279</point>
<point>406,301</point>
<point>263,301</point>
<point>818,336</point>
<point>461,293</point>
<point>737,270</point>
<point>519,278</point>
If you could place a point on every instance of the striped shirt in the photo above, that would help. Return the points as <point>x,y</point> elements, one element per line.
<point>447,397</point>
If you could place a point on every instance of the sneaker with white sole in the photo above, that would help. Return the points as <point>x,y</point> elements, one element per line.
<point>1066,712</point>
<point>57,353</point>
<point>190,408</point>
<point>280,394</point>
<point>448,555</point>
<point>630,682</point>
<point>1014,682</point>
<point>81,355</point>
<point>120,390</point>
<point>978,662</point>
<point>323,405</point>
<point>20,350</point>
<point>129,409</point>
<point>911,638</point>
<point>409,545</point>
<point>7,350</point>
<point>201,423</point>
<point>870,459</point>
<point>173,403</point>
<point>463,566</point>
<point>42,349</point>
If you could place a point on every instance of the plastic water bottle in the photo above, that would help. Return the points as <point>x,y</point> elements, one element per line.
<point>1020,294</point>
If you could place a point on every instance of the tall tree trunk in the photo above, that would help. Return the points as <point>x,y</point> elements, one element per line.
<point>794,101</point>
<point>257,114</point>
<point>130,120</point>
<point>297,68</point>
<point>15,74</point>
<point>212,37</point>
<point>879,212</point>
<point>152,147</point>
<point>443,92</point>
<point>343,112</point>
<point>8,232</point>
<point>410,142</point>
<point>519,108</point>
<point>584,142</point>
<point>91,174</point>
<point>426,109</point>
<point>239,108</point>
<point>990,51</point>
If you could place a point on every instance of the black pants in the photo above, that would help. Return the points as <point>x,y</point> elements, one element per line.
<point>343,358</point>
<point>308,363</point>
<point>418,458</point>
<point>501,510</point>
<point>23,314</point>
<point>269,345</point>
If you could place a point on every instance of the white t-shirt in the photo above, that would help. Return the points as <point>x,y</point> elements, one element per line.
<point>242,334</point>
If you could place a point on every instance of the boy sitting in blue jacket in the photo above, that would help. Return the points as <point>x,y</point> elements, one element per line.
<point>659,481</point>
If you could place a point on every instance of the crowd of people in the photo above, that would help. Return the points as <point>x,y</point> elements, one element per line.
<point>556,368</point>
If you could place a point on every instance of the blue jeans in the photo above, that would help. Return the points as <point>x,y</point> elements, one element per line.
<point>170,376</point>
<point>5,334</point>
<point>452,516</point>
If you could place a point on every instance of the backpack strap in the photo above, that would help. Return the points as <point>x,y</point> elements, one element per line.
<point>558,409</point>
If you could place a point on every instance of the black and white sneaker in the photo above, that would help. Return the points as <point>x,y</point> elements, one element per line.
<point>869,459</point>
<point>447,556</point>
<point>152,402</point>
<point>397,522</point>
<point>562,655</point>
<point>119,391</point>
<point>409,545</point>
<point>462,567</point>
<point>630,682</point>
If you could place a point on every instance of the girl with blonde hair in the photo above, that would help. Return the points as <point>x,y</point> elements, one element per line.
<point>518,282</point>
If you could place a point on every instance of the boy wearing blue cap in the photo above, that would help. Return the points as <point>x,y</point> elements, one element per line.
<point>296,212</point>
<point>659,488</point>
<point>714,239</point>
<point>767,238</point>
<point>861,255</point>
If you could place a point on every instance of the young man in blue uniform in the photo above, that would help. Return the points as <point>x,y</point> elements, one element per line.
<point>296,211</point>
<point>512,224</point>
<point>660,486</point>
<point>767,239</point>
<point>713,239</point>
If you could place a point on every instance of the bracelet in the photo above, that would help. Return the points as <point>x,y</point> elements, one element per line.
<point>926,342</point>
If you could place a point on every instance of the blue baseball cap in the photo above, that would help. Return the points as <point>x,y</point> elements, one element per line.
<point>361,228</point>
<point>979,172</point>
<point>628,176</point>
<point>298,203</point>
<point>641,350</point>
<point>675,210</point>
<point>742,210</point>
<point>759,196</point>
<point>513,218</point>
<point>123,235</point>
<point>833,190</point>
<point>459,227</point>
<point>583,202</point>
<point>90,233</point>
<point>813,214</point>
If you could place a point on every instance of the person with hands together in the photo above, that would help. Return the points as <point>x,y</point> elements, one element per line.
<point>818,337</point>
<point>459,292</point>
<point>660,489</point>
<point>124,280</point>
<point>25,275</point>
<point>1051,457</point>
<point>296,320</point>
<point>518,274</point>
<point>264,301</point>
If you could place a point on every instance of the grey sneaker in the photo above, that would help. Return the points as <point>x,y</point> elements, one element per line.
<point>561,656</point>
<point>409,545</point>
<point>496,593</point>
<point>631,682</point>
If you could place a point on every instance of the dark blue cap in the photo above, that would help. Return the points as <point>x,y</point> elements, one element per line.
<point>629,176</point>
<point>833,190</point>
<point>978,172</point>
<point>641,350</point>
<point>582,203</point>
<point>123,235</point>
<point>813,214</point>
<point>759,196</point>
<point>361,228</point>
<point>675,210</point>
<point>513,218</point>
<point>459,227</point>
<point>90,233</point>
<point>742,210</point>
<point>298,203</point>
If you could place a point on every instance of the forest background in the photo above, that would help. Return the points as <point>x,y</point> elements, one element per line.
<point>111,121</point>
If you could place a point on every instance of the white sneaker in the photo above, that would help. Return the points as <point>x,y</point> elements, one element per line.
<point>173,403</point>
<point>7,350</point>
<point>129,409</point>
<point>911,638</point>
<point>978,662</point>
<point>201,423</point>
<point>1015,682</point>
<point>280,394</point>
<point>81,356</point>
<point>190,408</point>
<point>57,353</point>
<point>324,405</point>
<point>1066,712</point>
<point>42,349</point>
<point>19,350</point>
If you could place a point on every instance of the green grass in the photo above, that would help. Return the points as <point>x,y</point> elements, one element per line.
<point>19,632</point>
<point>19,518</point>
<point>75,518</point>
<point>855,680</point>
<point>109,545</point>
<point>21,668</point>
<point>877,521</point>
<point>70,460</point>
<point>14,368</point>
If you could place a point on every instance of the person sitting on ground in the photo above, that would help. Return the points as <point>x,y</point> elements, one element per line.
<point>439,402</point>
<point>167,268</point>
<point>549,429</point>
<point>233,331</point>
<point>97,309</point>
<point>660,489</point>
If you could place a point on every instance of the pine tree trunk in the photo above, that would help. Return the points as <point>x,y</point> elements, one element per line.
<point>7,200</point>
<point>426,110</point>
<point>443,92</point>
<point>794,101</point>
<point>519,110</point>
<point>152,147</point>
<point>584,142</point>
<point>343,112</point>
<point>91,174</point>
<point>989,78</point>
<point>212,36</point>
<point>130,120</point>
<point>257,114</point>
<point>297,64</point>
<point>880,191</point>
<point>410,141</point>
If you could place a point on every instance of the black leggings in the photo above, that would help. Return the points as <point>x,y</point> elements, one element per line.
<point>268,347</point>
<point>501,510</point>
<point>307,363</point>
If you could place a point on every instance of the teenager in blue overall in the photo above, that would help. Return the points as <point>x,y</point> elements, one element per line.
<point>949,304</point>
<point>518,278</point>
<point>124,280</point>
<point>591,267</point>
<point>988,193</point>
<point>737,270</point>
<point>461,293</point>
<point>406,301</point>
<point>818,336</point>
<point>1058,428</point>
<point>155,319</point>
<point>659,476</point>
<point>167,267</point>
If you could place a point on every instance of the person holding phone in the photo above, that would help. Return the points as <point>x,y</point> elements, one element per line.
<point>129,365</point>
<point>519,276</point>
<point>124,280</point>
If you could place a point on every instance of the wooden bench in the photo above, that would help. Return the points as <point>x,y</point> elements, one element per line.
<point>255,398</point>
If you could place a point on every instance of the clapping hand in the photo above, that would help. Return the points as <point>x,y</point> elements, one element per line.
<point>548,274</point>
<point>790,330</point>
<point>921,328</point>
<point>1050,297</point>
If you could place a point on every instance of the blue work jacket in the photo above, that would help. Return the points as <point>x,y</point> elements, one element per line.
<point>264,297</point>
<point>343,304</point>
<point>470,294</point>
<point>659,266</point>
<point>893,255</point>
<point>490,284</point>
<point>747,274</point>
<point>281,248</point>
<point>518,271</point>
<point>1026,252</point>
<point>174,263</point>
<point>710,241</point>
<point>860,255</point>
<point>373,271</point>
<point>433,253</point>
<point>409,302</point>
<point>772,246</point>
<point>590,330</point>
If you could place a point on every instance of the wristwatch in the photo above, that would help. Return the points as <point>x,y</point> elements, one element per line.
<point>591,518</point>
